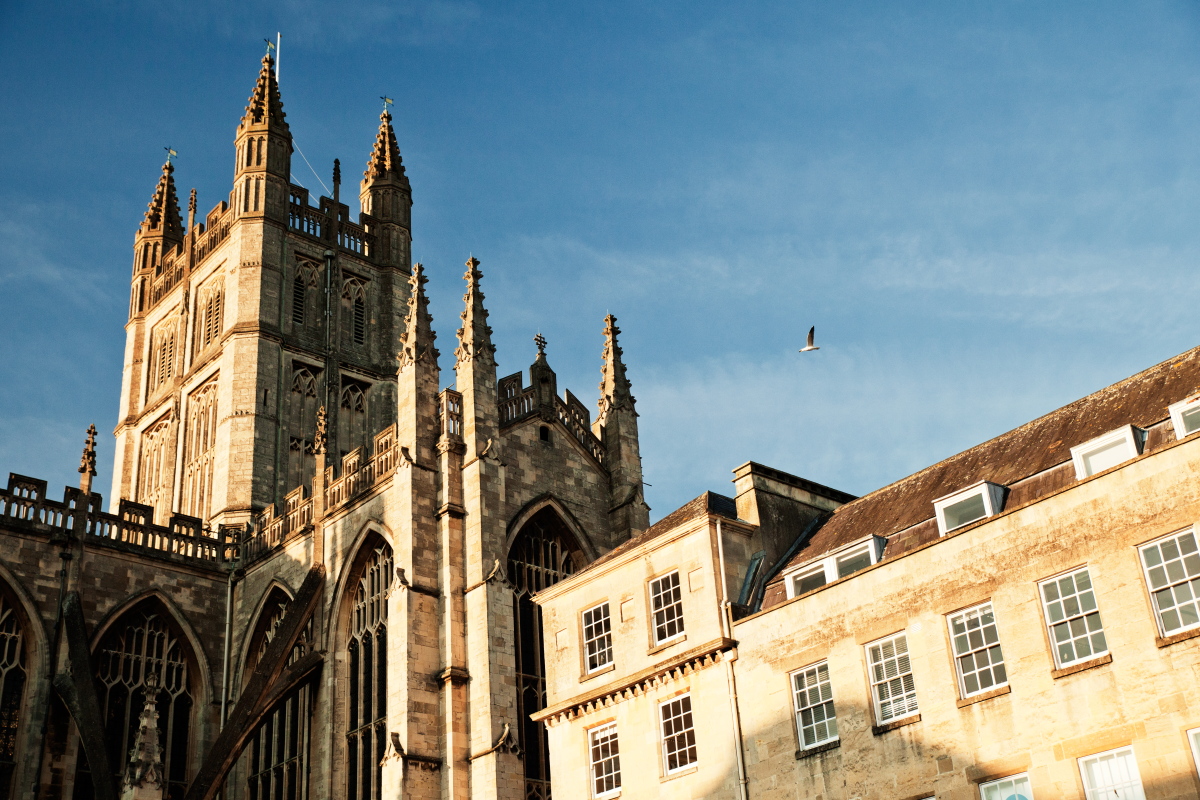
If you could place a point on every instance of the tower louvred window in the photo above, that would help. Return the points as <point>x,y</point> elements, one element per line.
<point>354,312</point>
<point>299,297</point>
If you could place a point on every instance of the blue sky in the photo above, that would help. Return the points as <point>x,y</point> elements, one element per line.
<point>987,210</point>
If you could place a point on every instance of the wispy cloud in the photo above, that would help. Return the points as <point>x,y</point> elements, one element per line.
<point>30,254</point>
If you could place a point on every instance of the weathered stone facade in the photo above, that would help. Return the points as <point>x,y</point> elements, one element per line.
<point>1080,580</point>
<point>323,559</point>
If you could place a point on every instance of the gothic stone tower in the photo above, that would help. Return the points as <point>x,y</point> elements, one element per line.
<point>287,460</point>
<point>242,326</point>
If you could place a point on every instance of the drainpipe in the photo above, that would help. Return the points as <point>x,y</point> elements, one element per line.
<point>731,681</point>
<point>228,635</point>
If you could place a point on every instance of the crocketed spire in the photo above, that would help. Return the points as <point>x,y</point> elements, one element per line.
<point>417,344</point>
<point>614,386</point>
<point>162,215</point>
<point>475,335</point>
<point>265,106</point>
<point>385,162</point>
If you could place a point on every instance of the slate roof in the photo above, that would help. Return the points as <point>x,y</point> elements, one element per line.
<point>707,503</point>
<point>1033,460</point>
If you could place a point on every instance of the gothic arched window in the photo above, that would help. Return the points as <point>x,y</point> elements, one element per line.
<point>301,426</point>
<point>277,758</point>
<point>141,642</point>
<point>162,354</point>
<point>304,295</point>
<point>156,468</point>
<point>12,690</point>
<point>366,652</point>
<point>352,418</point>
<point>201,438</point>
<point>543,553</point>
<point>209,314</point>
<point>354,312</point>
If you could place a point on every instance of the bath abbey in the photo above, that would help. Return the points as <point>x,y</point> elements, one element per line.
<point>321,575</point>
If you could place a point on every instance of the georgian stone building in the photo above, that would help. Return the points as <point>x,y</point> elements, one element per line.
<point>1020,621</point>
<point>314,576</point>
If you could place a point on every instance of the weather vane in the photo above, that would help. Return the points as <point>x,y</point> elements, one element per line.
<point>170,154</point>
<point>270,46</point>
<point>387,103</point>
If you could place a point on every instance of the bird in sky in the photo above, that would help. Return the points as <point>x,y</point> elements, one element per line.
<point>810,345</point>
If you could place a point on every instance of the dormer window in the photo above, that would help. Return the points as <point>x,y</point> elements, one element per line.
<point>1185,416</point>
<point>839,564</point>
<point>976,502</point>
<point>1107,451</point>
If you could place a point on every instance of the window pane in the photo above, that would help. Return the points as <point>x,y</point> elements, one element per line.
<point>1014,788</point>
<point>813,580</point>
<point>1172,570</point>
<point>678,735</point>
<point>1073,618</point>
<point>1112,775</point>
<point>813,697</point>
<point>666,601</point>
<point>1191,420</point>
<point>606,761</point>
<point>964,511</point>
<point>597,637</point>
<point>891,678</point>
<point>1107,456</point>
<point>847,565</point>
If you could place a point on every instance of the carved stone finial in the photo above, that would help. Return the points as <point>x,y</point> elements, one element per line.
<point>614,385</point>
<point>320,438</point>
<point>143,775</point>
<point>337,172</point>
<point>475,335</point>
<point>162,213</point>
<point>385,162</point>
<point>87,464</point>
<point>265,105</point>
<point>417,343</point>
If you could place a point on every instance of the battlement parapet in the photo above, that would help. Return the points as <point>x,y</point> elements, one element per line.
<point>24,507</point>
<point>518,403</point>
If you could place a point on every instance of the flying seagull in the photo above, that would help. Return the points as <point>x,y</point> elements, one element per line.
<point>810,345</point>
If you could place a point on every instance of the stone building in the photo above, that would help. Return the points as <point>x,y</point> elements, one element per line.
<point>314,577</point>
<point>1019,621</point>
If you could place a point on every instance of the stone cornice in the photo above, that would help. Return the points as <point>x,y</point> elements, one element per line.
<point>637,684</point>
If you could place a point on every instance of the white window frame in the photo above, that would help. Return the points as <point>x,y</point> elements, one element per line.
<point>974,649</point>
<point>1131,436</point>
<point>983,787</point>
<point>605,729</point>
<point>1103,792</point>
<point>1178,410</point>
<point>1082,614</point>
<point>663,736</point>
<point>587,642</point>
<point>1194,740</point>
<point>1187,584</point>
<point>824,690</point>
<point>993,503</point>
<point>876,700</point>
<point>828,564</point>
<point>654,611</point>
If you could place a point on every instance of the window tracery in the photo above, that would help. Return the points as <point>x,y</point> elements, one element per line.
<point>367,660</point>
<point>543,553</point>
<point>278,752</point>
<point>209,315</point>
<point>12,691</point>
<point>162,365</point>
<point>352,417</point>
<point>302,406</point>
<point>354,312</point>
<point>140,643</point>
<point>156,470</point>
<point>201,433</point>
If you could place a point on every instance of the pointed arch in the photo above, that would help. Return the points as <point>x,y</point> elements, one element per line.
<point>360,634</point>
<point>23,653</point>
<point>276,760</point>
<point>144,635</point>
<point>241,664</point>
<point>547,500</point>
<point>542,550</point>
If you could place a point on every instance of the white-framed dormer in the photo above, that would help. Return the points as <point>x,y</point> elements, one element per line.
<point>838,564</point>
<point>1185,416</point>
<point>977,501</point>
<point>1107,451</point>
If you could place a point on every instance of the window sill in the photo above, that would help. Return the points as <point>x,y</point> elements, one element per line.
<point>658,648</point>
<point>879,730</point>
<point>1080,667</point>
<point>587,676</point>
<point>818,749</point>
<point>988,695</point>
<point>1175,638</point>
<point>670,776</point>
